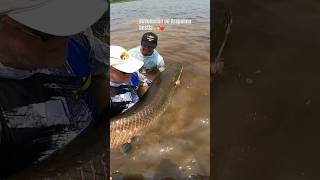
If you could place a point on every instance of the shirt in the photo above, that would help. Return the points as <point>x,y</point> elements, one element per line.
<point>155,60</point>
<point>124,96</point>
<point>44,107</point>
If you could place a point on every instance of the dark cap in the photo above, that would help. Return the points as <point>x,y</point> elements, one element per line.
<point>149,39</point>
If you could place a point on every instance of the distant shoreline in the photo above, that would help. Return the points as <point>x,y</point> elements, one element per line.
<point>118,1</point>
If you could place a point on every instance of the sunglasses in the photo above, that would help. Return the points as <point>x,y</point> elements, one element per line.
<point>31,32</point>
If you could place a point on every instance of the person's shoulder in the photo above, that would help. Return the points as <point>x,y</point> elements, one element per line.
<point>157,54</point>
<point>135,49</point>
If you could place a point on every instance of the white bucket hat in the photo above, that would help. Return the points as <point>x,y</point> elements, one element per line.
<point>122,61</point>
<point>56,17</point>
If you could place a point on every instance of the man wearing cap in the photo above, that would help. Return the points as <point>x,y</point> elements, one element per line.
<point>126,84</point>
<point>147,53</point>
<point>48,55</point>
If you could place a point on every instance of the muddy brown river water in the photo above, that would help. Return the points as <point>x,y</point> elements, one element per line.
<point>178,146</point>
<point>269,129</point>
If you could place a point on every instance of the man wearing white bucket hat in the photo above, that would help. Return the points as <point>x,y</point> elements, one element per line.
<point>126,84</point>
<point>48,55</point>
<point>38,29</point>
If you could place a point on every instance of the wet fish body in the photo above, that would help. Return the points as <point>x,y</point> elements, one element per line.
<point>131,123</point>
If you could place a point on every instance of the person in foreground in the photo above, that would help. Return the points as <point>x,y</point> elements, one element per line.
<point>127,85</point>
<point>147,53</point>
<point>47,60</point>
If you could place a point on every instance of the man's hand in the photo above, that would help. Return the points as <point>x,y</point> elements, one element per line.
<point>143,89</point>
<point>178,82</point>
<point>217,68</point>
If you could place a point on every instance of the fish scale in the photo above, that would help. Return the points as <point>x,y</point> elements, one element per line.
<point>148,110</point>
